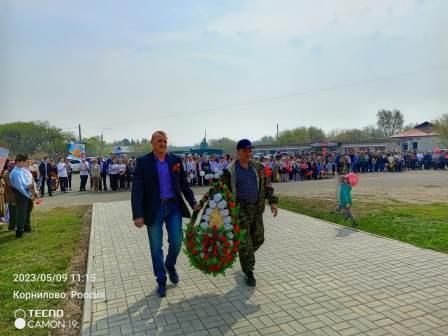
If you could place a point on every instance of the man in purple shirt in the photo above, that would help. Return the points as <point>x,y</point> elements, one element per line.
<point>158,183</point>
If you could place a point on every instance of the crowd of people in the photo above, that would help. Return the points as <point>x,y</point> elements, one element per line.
<point>201,170</point>
<point>94,171</point>
<point>23,180</point>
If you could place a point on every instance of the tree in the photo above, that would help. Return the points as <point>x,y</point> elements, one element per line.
<point>34,137</point>
<point>368,133</point>
<point>440,125</point>
<point>266,140</point>
<point>301,135</point>
<point>141,148</point>
<point>94,146</point>
<point>226,144</point>
<point>390,122</point>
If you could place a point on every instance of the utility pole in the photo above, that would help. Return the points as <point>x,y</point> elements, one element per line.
<point>79,131</point>
<point>277,133</point>
<point>102,139</point>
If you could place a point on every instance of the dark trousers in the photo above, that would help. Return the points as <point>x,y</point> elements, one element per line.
<point>24,206</point>
<point>103,184</point>
<point>42,186</point>
<point>113,181</point>
<point>63,181</point>
<point>83,182</point>
<point>69,181</point>
<point>121,181</point>
<point>12,216</point>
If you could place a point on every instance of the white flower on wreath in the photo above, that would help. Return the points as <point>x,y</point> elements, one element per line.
<point>204,225</point>
<point>228,227</point>
<point>222,205</point>
<point>217,197</point>
<point>208,211</point>
<point>205,218</point>
<point>227,220</point>
<point>212,205</point>
<point>224,212</point>
<point>229,235</point>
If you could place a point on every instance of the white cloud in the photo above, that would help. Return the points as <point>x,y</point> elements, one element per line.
<point>290,18</point>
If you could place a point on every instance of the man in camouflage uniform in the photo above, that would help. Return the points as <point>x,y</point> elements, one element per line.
<point>247,180</point>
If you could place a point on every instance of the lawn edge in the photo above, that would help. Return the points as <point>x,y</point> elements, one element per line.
<point>85,324</point>
<point>366,232</point>
<point>78,267</point>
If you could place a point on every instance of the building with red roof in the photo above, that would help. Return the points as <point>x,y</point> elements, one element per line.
<point>421,138</point>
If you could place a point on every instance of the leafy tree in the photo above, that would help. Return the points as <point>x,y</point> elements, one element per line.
<point>266,140</point>
<point>440,125</point>
<point>141,148</point>
<point>34,137</point>
<point>390,122</point>
<point>95,148</point>
<point>368,133</point>
<point>226,144</point>
<point>301,135</point>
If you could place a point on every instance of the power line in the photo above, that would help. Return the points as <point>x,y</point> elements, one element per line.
<point>296,94</point>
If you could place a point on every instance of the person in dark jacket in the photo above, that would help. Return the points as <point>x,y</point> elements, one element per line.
<point>45,169</point>
<point>158,184</point>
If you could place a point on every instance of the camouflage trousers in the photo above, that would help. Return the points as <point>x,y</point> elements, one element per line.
<point>251,220</point>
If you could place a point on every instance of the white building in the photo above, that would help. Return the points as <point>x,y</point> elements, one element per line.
<point>421,138</point>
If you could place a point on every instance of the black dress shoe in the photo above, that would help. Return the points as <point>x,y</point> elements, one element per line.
<point>19,234</point>
<point>161,287</point>
<point>250,279</point>
<point>172,274</point>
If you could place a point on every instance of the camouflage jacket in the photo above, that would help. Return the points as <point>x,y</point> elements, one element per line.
<point>265,190</point>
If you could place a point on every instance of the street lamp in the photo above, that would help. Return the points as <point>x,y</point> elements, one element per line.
<point>102,141</point>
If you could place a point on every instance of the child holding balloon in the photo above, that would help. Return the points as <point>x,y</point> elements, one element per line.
<point>344,194</point>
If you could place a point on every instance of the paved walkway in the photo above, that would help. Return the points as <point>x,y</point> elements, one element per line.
<point>313,278</point>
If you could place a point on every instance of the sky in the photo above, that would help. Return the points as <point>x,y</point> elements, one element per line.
<point>236,68</point>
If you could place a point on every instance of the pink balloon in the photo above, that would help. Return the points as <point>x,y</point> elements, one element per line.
<point>353,179</point>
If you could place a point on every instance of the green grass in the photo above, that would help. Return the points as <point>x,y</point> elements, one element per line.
<point>423,225</point>
<point>47,250</point>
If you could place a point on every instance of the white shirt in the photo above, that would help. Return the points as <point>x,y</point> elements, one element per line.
<point>62,171</point>
<point>84,169</point>
<point>191,166</point>
<point>214,166</point>
<point>114,169</point>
